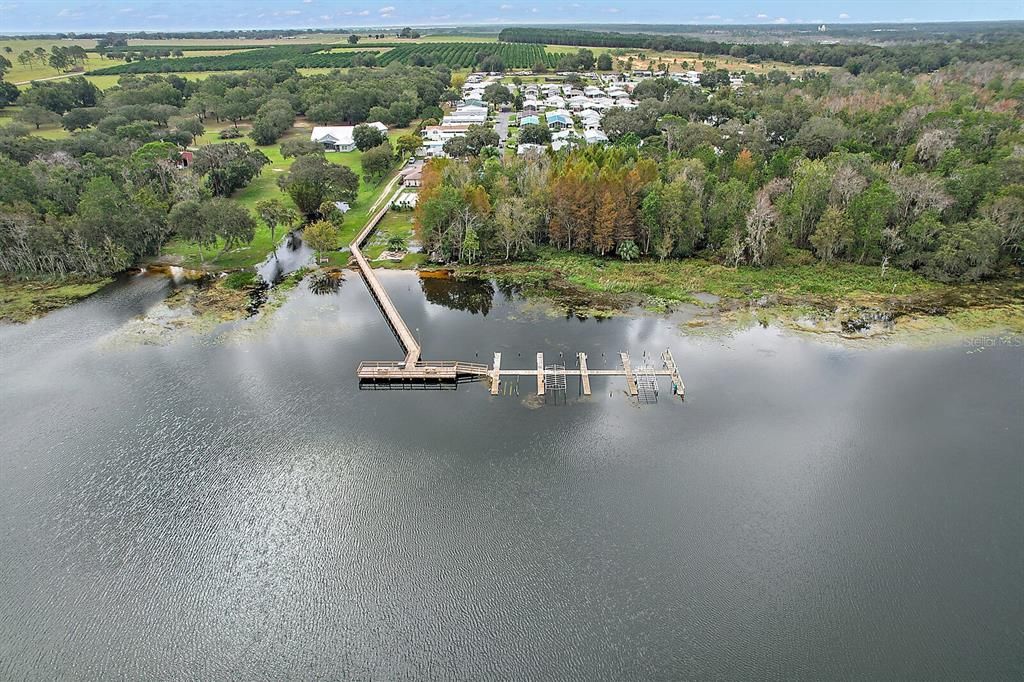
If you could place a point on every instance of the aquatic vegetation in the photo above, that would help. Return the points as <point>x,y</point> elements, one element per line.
<point>324,282</point>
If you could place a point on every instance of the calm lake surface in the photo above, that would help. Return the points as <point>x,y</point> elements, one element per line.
<point>230,505</point>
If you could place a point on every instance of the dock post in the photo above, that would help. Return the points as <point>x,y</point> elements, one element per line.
<point>631,388</point>
<point>496,374</point>
<point>540,374</point>
<point>584,373</point>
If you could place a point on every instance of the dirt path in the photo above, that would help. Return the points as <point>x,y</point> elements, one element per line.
<point>50,78</point>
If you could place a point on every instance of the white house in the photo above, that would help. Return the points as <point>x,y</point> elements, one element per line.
<point>590,119</point>
<point>339,138</point>
<point>555,102</point>
<point>578,103</point>
<point>444,133</point>
<point>466,116</point>
<point>564,138</point>
<point>528,148</point>
<point>595,137</point>
<point>434,138</point>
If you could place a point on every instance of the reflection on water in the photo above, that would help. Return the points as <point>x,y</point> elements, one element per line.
<point>231,506</point>
<point>290,255</point>
<point>471,295</point>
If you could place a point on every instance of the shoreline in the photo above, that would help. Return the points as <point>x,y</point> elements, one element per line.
<point>23,300</point>
<point>925,310</point>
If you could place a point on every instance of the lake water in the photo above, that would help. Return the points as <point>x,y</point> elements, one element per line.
<point>230,505</point>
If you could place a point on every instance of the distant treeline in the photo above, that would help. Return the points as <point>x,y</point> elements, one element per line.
<point>874,33</point>
<point>157,49</point>
<point>113,36</point>
<point>299,56</point>
<point>856,58</point>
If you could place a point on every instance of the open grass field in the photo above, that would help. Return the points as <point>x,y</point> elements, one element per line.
<point>8,115</point>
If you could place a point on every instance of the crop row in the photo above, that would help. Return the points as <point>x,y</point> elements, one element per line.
<point>468,55</point>
<point>453,55</point>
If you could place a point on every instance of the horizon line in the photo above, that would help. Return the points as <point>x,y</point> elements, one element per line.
<point>351,27</point>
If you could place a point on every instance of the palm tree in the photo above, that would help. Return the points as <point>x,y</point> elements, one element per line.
<point>273,213</point>
<point>628,250</point>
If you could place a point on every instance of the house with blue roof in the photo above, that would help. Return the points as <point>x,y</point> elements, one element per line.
<point>559,120</point>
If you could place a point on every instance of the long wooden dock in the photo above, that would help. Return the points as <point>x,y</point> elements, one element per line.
<point>415,371</point>
<point>380,294</point>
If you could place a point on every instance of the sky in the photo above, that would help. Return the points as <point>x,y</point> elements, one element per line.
<point>52,16</point>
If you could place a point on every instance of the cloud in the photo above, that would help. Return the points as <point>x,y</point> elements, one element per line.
<point>713,16</point>
<point>762,16</point>
<point>384,11</point>
<point>780,20</point>
<point>505,7</point>
<point>364,13</point>
<point>844,15</point>
<point>613,10</point>
<point>67,13</point>
<point>157,16</point>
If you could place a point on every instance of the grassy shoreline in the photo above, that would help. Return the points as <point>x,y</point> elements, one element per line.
<point>24,300</point>
<point>829,298</point>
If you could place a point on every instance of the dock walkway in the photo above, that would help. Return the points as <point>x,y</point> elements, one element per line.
<point>414,370</point>
<point>380,294</point>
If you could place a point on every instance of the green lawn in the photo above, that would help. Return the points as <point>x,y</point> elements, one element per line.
<point>265,187</point>
<point>394,224</point>
<point>8,115</point>
<point>20,301</point>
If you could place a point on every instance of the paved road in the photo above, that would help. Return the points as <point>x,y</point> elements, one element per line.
<point>501,127</point>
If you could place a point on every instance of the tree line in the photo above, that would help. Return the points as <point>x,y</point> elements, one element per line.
<point>118,187</point>
<point>854,57</point>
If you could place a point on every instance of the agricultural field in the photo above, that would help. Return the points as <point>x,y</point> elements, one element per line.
<point>454,54</point>
<point>463,55</point>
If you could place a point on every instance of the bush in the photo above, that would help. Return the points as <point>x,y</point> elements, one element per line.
<point>240,280</point>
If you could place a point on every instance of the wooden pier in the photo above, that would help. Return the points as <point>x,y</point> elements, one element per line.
<point>379,293</point>
<point>584,373</point>
<point>413,371</point>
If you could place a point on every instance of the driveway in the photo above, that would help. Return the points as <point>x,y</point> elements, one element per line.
<point>501,126</point>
